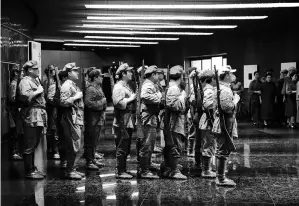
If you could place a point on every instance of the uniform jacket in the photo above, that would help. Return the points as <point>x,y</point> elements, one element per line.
<point>228,109</point>
<point>177,107</point>
<point>208,104</point>
<point>121,92</point>
<point>33,110</point>
<point>150,101</point>
<point>94,105</point>
<point>72,109</point>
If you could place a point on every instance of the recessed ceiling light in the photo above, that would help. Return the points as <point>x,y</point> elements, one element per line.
<point>175,17</point>
<point>161,26</point>
<point>125,28</point>
<point>101,45</point>
<point>133,38</point>
<point>141,32</point>
<point>129,22</point>
<point>113,42</point>
<point>192,6</point>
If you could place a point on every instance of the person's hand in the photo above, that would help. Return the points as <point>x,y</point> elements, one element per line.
<point>132,97</point>
<point>288,92</point>
<point>104,100</point>
<point>236,99</point>
<point>39,90</point>
<point>159,95</point>
<point>258,92</point>
<point>78,95</point>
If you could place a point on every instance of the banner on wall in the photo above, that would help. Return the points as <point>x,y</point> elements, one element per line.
<point>287,65</point>
<point>249,74</point>
<point>34,53</point>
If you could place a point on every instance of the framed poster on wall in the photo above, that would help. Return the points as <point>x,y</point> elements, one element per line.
<point>34,53</point>
<point>248,74</point>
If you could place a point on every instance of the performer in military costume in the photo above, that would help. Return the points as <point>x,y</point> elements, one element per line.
<point>160,135</point>
<point>208,143</point>
<point>71,98</point>
<point>16,130</point>
<point>50,88</point>
<point>176,105</point>
<point>123,99</point>
<point>150,108</point>
<point>95,106</point>
<point>225,128</point>
<point>34,116</point>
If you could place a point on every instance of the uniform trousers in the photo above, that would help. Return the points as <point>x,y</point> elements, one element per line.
<point>208,143</point>
<point>91,141</point>
<point>147,146</point>
<point>72,142</point>
<point>123,147</point>
<point>173,149</point>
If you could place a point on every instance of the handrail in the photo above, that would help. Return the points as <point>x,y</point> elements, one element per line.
<point>7,27</point>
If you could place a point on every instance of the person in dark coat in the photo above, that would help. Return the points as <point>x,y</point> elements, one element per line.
<point>290,96</point>
<point>268,96</point>
<point>280,106</point>
<point>255,103</point>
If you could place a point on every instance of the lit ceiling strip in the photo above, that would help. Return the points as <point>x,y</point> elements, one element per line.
<point>101,45</point>
<point>193,6</point>
<point>173,17</point>
<point>125,28</point>
<point>161,26</point>
<point>141,32</point>
<point>132,38</point>
<point>129,22</point>
<point>113,42</point>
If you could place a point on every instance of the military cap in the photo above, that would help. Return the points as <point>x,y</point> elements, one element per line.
<point>284,71</point>
<point>122,68</point>
<point>70,66</point>
<point>206,73</point>
<point>15,68</point>
<point>95,73</point>
<point>191,69</point>
<point>49,68</point>
<point>176,70</point>
<point>90,69</point>
<point>160,71</point>
<point>62,74</point>
<point>151,69</point>
<point>31,64</point>
<point>224,69</point>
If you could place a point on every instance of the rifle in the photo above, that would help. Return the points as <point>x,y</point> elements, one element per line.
<point>111,79</point>
<point>166,113</point>
<point>139,127</point>
<point>209,115</point>
<point>222,120</point>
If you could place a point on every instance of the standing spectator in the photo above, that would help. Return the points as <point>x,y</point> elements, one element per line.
<point>255,92</point>
<point>290,97</point>
<point>280,106</point>
<point>268,95</point>
<point>237,88</point>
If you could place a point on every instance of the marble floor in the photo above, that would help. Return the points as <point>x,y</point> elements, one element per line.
<point>265,168</point>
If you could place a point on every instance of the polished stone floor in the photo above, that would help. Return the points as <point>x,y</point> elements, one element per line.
<point>265,168</point>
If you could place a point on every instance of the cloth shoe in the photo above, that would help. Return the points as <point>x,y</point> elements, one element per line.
<point>221,178</point>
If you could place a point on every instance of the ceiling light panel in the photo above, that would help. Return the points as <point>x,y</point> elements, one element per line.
<point>141,32</point>
<point>175,17</point>
<point>100,45</point>
<point>192,6</point>
<point>129,22</point>
<point>161,26</point>
<point>132,38</point>
<point>113,42</point>
<point>125,27</point>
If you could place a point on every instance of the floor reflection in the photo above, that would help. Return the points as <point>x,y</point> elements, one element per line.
<point>265,168</point>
